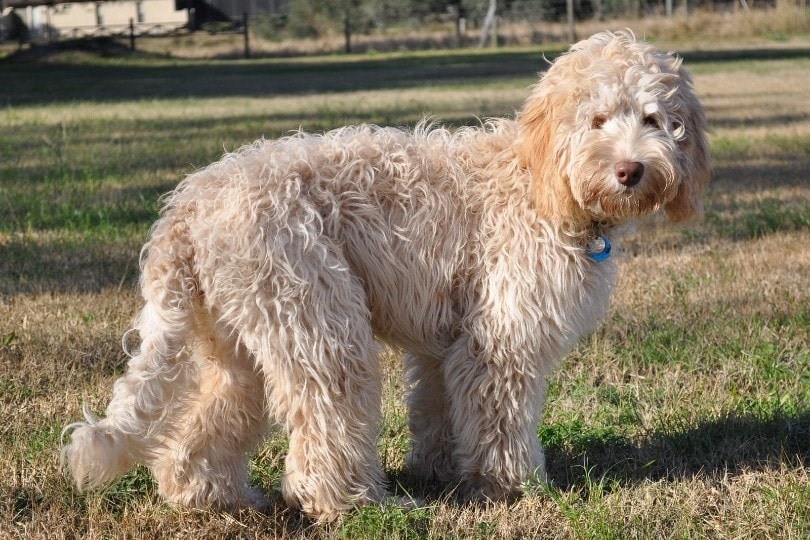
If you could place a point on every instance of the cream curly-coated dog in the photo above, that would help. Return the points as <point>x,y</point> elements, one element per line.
<point>481,252</point>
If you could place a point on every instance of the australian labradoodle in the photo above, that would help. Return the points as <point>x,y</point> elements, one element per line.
<point>483,253</point>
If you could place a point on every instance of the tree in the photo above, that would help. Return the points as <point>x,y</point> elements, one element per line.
<point>318,18</point>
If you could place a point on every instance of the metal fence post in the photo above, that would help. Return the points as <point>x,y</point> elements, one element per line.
<point>131,34</point>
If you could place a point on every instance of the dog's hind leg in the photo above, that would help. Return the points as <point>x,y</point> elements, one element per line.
<point>321,366</point>
<point>205,458</point>
<point>156,378</point>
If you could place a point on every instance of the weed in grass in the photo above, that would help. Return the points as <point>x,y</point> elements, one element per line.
<point>583,506</point>
<point>137,484</point>
<point>576,435</point>
<point>7,340</point>
<point>620,405</point>
<point>42,441</point>
<point>388,520</point>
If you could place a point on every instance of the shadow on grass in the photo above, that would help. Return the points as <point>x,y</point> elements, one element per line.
<point>27,84</point>
<point>49,80</point>
<point>726,446</point>
<point>70,266</point>
<point>713,449</point>
<point>738,120</point>
<point>738,55</point>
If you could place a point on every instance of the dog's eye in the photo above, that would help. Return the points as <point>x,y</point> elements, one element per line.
<point>598,122</point>
<point>651,121</point>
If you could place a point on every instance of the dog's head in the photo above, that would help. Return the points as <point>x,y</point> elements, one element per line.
<point>614,131</point>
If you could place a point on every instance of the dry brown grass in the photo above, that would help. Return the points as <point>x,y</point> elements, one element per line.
<point>771,27</point>
<point>685,415</point>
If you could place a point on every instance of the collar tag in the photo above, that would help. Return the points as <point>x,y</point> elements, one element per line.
<point>599,248</point>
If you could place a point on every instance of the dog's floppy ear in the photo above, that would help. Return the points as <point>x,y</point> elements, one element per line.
<point>695,161</point>
<point>540,152</point>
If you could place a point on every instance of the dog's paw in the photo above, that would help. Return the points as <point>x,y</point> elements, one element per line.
<point>482,489</point>
<point>435,467</point>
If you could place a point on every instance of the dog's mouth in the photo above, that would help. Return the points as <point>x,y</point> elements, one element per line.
<point>627,191</point>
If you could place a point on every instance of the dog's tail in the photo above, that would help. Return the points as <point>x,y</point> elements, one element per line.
<point>100,450</point>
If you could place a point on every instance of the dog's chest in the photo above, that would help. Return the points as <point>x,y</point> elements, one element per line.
<point>543,300</point>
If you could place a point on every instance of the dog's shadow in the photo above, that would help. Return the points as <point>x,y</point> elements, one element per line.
<point>718,448</point>
<point>726,446</point>
<point>729,445</point>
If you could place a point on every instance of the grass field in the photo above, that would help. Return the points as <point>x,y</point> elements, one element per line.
<point>686,414</point>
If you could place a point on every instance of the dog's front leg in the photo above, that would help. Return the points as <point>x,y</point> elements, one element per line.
<point>496,396</point>
<point>431,456</point>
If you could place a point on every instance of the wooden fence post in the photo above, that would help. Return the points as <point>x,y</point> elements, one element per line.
<point>347,30</point>
<point>569,8</point>
<point>245,27</point>
<point>131,35</point>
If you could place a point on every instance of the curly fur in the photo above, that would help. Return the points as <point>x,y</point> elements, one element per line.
<point>272,273</point>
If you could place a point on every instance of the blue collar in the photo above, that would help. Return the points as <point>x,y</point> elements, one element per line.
<point>599,248</point>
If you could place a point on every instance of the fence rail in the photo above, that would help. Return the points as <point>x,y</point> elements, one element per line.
<point>134,31</point>
<point>124,30</point>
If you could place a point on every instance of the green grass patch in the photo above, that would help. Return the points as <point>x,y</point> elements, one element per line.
<point>136,485</point>
<point>737,146</point>
<point>43,440</point>
<point>760,218</point>
<point>386,521</point>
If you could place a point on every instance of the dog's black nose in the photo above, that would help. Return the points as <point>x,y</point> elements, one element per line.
<point>629,173</point>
